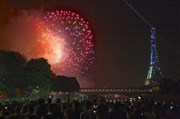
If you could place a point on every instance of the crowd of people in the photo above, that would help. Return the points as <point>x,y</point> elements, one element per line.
<point>90,109</point>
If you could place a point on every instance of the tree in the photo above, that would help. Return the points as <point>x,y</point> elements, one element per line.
<point>38,75</point>
<point>65,84</point>
<point>12,73</point>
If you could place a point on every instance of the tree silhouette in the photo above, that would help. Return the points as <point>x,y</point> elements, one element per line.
<point>17,75</point>
<point>65,84</point>
<point>12,72</point>
<point>38,75</point>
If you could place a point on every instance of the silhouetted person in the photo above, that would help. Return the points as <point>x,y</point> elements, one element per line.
<point>88,112</point>
<point>117,112</point>
<point>41,109</point>
<point>75,110</point>
<point>30,112</point>
<point>102,112</point>
<point>51,112</point>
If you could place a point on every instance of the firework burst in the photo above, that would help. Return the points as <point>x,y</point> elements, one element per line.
<point>66,40</point>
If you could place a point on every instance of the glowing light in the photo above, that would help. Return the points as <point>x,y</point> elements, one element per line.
<point>53,49</point>
<point>66,40</point>
<point>154,61</point>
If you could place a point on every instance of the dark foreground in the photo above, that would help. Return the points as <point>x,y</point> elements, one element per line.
<point>91,109</point>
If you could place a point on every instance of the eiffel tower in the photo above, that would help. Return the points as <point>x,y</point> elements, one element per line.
<point>154,71</point>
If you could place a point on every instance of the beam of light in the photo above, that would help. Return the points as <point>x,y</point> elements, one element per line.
<point>136,12</point>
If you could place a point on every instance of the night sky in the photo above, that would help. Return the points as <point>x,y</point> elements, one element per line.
<point>122,39</point>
